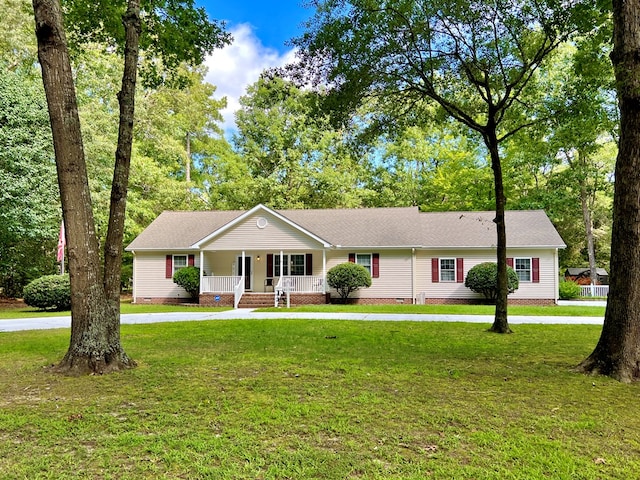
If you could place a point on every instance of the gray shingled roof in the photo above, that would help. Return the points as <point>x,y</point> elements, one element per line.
<point>525,228</point>
<point>180,230</point>
<point>365,227</point>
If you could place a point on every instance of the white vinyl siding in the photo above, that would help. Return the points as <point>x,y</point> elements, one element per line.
<point>149,277</point>
<point>395,273</point>
<point>545,289</point>
<point>276,235</point>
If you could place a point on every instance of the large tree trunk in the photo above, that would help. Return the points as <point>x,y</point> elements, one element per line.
<point>500,323</point>
<point>617,353</point>
<point>95,323</point>
<point>120,184</point>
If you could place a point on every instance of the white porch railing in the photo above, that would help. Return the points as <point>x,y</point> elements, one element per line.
<point>302,284</point>
<point>594,290</point>
<point>219,284</point>
<point>238,290</point>
<point>298,284</point>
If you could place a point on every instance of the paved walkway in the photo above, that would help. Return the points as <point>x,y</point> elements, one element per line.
<point>43,323</point>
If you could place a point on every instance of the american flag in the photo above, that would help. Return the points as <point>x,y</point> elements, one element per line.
<point>61,242</point>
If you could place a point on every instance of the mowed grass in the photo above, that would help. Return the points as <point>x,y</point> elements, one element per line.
<point>585,310</point>
<point>301,399</point>
<point>125,307</point>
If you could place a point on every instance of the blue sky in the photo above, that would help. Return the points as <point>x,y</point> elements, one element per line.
<point>273,22</point>
<point>260,30</point>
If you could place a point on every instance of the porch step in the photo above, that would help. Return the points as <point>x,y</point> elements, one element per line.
<point>256,300</point>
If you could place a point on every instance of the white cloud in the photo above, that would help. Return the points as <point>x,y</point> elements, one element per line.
<point>238,65</point>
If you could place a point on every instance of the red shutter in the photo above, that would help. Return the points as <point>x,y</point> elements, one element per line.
<point>192,260</point>
<point>435,270</point>
<point>375,267</point>
<point>510,262</point>
<point>308,264</point>
<point>168,270</point>
<point>269,264</point>
<point>459,270</point>
<point>535,270</point>
<point>352,257</point>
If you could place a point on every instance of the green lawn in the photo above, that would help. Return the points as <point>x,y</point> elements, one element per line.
<point>569,310</point>
<point>300,399</point>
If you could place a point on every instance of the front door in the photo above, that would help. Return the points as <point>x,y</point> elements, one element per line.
<point>247,271</point>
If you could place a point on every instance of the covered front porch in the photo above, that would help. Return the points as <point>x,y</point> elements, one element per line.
<point>226,276</point>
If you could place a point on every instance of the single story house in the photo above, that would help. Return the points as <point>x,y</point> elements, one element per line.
<point>582,275</point>
<point>263,254</point>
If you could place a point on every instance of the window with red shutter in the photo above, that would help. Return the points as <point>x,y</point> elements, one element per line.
<point>535,270</point>
<point>168,269</point>
<point>375,265</point>
<point>459,270</point>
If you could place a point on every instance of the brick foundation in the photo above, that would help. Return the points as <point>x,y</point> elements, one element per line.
<point>163,301</point>
<point>209,299</point>
<point>374,301</point>
<point>226,300</point>
<point>479,301</point>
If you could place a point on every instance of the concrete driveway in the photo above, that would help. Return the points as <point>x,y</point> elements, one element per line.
<point>43,323</point>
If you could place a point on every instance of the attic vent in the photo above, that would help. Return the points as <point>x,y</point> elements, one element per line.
<point>261,222</point>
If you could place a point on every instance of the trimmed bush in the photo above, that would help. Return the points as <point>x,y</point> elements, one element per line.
<point>569,290</point>
<point>49,292</point>
<point>483,279</point>
<point>189,279</point>
<point>348,277</point>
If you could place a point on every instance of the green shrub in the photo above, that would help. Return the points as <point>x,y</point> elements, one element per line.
<point>189,279</point>
<point>49,292</point>
<point>569,290</point>
<point>483,279</point>
<point>348,277</point>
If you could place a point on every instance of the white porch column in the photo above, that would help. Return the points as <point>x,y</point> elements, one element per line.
<point>281,264</point>
<point>242,267</point>
<point>324,271</point>
<point>201,269</point>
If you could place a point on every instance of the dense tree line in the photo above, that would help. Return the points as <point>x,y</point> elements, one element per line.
<point>287,153</point>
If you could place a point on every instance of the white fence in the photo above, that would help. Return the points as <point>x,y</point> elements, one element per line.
<point>301,284</point>
<point>594,290</point>
<point>295,284</point>
<point>219,284</point>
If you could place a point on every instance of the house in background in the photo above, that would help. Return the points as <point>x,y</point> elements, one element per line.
<point>256,256</point>
<point>582,275</point>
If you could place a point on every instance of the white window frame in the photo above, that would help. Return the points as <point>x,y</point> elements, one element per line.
<point>297,267</point>
<point>441,270</point>
<point>524,272</point>
<point>288,265</point>
<point>177,267</point>
<point>366,260</point>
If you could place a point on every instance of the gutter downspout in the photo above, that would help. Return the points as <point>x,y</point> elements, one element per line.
<point>133,287</point>
<point>556,279</point>
<point>413,275</point>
